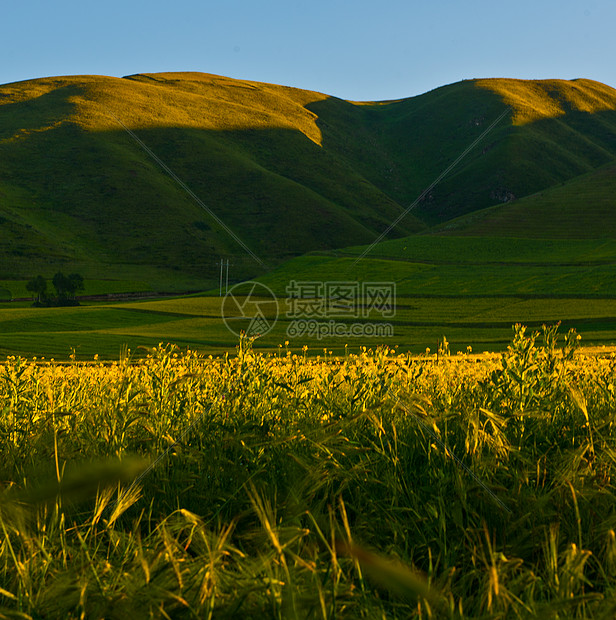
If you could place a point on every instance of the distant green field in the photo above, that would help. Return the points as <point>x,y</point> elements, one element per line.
<point>454,278</point>
<point>470,290</point>
<point>483,323</point>
<point>104,329</point>
<point>434,248</point>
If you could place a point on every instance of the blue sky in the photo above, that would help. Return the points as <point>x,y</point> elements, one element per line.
<point>360,50</point>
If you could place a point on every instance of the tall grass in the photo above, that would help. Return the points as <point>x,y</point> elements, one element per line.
<point>284,486</point>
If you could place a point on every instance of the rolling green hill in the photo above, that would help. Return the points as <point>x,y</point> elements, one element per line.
<point>288,171</point>
<point>555,131</point>
<point>76,188</point>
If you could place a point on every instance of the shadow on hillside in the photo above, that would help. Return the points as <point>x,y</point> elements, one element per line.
<point>102,196</point>
<point>413,141</point>
<point>37,113</point>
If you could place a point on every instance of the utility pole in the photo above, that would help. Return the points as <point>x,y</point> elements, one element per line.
<point>224,276</point>
<point>221,261</point>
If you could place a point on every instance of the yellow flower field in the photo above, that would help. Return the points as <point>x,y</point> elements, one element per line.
<point>274,486</point>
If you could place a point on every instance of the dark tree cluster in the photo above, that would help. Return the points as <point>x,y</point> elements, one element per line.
<point>66,287</point>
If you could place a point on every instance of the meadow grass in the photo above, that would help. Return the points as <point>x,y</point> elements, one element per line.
<point>479,250</point>
<point>196,322</point>
<point>457,278</point>
<point>283,486</point>
<point>532,100</point>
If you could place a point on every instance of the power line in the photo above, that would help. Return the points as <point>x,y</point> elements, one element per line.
<point>432,186</point>
<point>187,189</point>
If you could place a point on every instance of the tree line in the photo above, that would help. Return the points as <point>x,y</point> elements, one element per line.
<point>66,287</point>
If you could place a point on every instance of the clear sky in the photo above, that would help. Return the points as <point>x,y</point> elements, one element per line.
<point>355,49</point>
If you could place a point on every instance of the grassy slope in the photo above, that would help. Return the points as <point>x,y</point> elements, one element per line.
<point>560,129</point>
<point>267,157</point>
<point>477,250</point>
<point>452,278</point>
<point>557,242</point>
<point>288,170</point>
<point>582,208</point>
<point>556,130</point>
<point>75,186</point>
